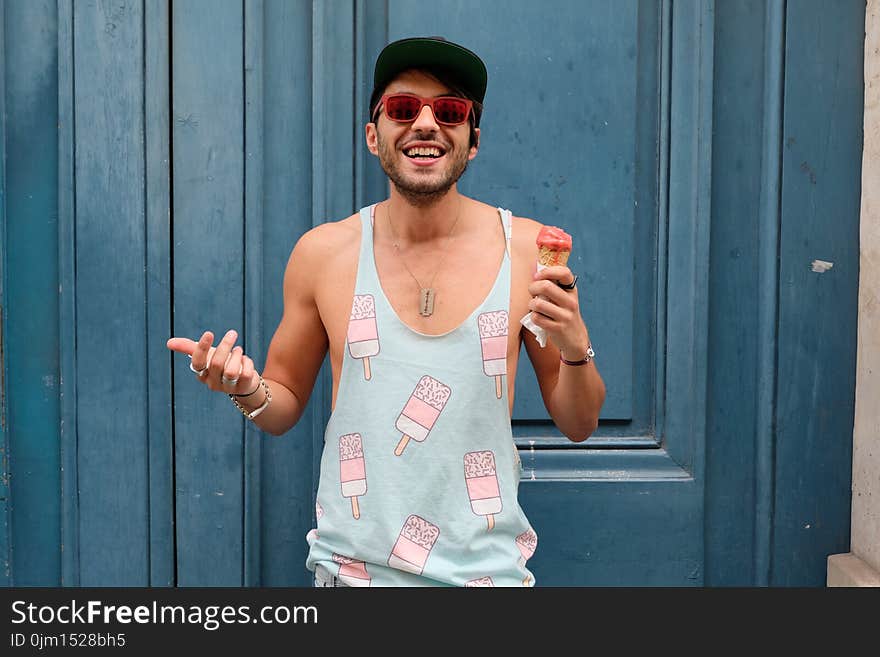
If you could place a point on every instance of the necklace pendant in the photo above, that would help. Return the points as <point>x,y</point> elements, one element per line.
<point>426,302</point>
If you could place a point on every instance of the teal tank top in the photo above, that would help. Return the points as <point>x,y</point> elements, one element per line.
<point>419,472</point>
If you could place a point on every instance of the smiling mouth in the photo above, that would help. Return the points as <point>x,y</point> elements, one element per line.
<point>424,153</point>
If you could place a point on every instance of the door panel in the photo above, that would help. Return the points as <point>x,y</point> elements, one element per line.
<point>599,126</point>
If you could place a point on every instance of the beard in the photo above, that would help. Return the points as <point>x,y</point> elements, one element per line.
<point>422,191</point>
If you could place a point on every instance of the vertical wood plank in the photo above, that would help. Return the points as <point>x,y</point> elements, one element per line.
<point>333,167</point>
<point>30,311</point>
<point>689,226</point>
<point>158,288</point>
<point>821,160</point>
<point>70,572</point>
<point>746,155</point>
<point>287,502</point>
<point>737,163</point>
<point>768,288</point>
<point>113,454</point>
<point>371,35</point>
<point>253,240</point>
<point>5,528</point>
<point>208,256</point>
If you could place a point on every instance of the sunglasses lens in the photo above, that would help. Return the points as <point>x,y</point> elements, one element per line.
<point>402,108</point>
<point>451,111</point>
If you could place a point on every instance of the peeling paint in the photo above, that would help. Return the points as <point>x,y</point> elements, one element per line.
<point>821,266</point>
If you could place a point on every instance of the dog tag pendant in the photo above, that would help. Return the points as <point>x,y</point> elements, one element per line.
<point>426,302</point>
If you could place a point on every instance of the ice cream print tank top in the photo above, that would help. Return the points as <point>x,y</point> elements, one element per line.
<point>419,472</point>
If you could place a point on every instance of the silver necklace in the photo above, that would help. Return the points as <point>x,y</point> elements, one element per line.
<point>428,294</point>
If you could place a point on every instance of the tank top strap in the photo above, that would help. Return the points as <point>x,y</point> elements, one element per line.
<point>507,225</point>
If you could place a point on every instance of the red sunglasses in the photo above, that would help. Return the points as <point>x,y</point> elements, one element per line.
<point>404,108</point>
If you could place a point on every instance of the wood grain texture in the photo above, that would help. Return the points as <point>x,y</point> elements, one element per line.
<point>30,309</point>
<point>207,87</point>
<point>112,425</point>
<point>286,479</point>
<point>821,177</point>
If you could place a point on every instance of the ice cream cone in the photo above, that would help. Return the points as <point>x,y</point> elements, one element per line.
<point>549,257</point>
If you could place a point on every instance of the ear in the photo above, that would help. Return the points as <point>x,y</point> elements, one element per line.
<point>473,150</point>
<point>372,138</point>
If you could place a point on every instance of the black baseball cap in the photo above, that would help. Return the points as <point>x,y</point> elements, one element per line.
<point>434,52</point>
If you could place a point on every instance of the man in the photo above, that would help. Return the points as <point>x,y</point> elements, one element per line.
<point>418,299</point>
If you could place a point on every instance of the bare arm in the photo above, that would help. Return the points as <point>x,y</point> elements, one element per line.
<point>300,342</point>
<point>573,395</point>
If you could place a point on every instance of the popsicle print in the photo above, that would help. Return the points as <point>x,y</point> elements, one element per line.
<point>313,533</point>
<point>482,485</point>
<point>351,571</point>
<point>527,542</point>
<point>414,544</point>
<point>482,581</point>
<point>421,411</point>
<point>363,333</point>
<point>493,342</point>
<point>352,470</point>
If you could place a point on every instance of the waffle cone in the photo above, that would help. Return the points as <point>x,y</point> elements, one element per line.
<point>550,258</point>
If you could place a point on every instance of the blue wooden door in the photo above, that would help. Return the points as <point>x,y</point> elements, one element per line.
<point>586,128</point>
<point>701,154</point>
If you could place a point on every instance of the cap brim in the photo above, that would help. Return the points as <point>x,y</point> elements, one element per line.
<point>462,64</point>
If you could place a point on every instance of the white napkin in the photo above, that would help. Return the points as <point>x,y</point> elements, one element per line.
<point>540,334</point>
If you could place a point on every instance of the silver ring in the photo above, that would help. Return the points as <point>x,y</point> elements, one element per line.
<point>226,381</point>
<point>200,373</point>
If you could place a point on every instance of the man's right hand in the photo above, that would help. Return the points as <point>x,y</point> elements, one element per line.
<point>224,368</point>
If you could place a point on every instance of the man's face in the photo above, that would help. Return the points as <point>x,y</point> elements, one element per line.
<point>423,159</point>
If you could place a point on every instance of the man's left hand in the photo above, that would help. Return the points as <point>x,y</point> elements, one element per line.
<point>557,311</point>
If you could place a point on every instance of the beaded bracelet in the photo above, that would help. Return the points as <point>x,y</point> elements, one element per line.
<point>250,415</point>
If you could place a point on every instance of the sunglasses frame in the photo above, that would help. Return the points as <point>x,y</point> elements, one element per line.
<point>469,106</point>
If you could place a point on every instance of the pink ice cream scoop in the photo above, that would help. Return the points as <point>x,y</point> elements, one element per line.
<point>313,533</point>
<point>352,470</point>
<point>527,542</point>
<point>482,485</point>
<point>363,334</point>
<point>482,581</point>
<point>493,342</point>
<point>421,411</point>
<point>414,544</point>
<point>352,572</point>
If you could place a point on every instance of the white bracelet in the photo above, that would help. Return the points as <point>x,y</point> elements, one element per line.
<point>250,415</point>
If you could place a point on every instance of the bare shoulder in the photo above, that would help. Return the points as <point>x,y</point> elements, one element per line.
<point>525,232</point>
<point>325,241</point>
<point>324,248</point>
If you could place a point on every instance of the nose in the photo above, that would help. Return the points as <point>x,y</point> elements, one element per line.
<point>425,120</point>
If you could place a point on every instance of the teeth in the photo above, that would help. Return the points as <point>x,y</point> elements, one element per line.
<point>421,151</point>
